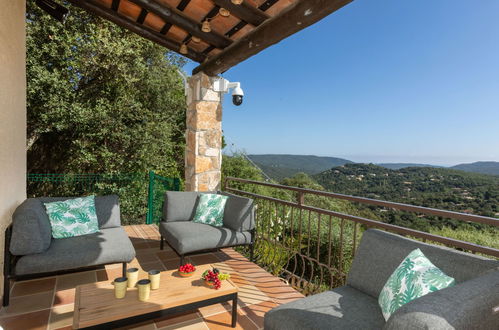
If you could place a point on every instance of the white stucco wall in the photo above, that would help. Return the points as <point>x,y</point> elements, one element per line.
<point>12,112</point>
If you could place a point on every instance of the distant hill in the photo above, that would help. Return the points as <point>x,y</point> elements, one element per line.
<point>441,188</point>
<point>279,167</point>
<point>398,166</point>
<point>479,167</point>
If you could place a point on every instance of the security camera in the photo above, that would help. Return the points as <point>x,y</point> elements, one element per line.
<point>223,85</point>
<point>237,95</point>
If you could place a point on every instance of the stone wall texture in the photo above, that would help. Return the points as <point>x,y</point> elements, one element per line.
<point>203,153</point>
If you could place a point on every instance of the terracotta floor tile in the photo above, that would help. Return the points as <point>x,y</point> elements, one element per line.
<point>167,255</point>
<point>171,264</point>
<point>147,266</point>
<point>147,257</point>
<point>30,303</point>
<point>32,321</point>
<point>72,280</point>
<point>250,295</point>
<point>215,309</point>
<point>30,287</point>
<point>257,312</point>
<point>61,316</point>
<point>147,325</point>
<point>196,324</point>
<point>204,259</point>
<point>172,320</point>
<point>64,297</point>
<point>153,243</point>
<point>237,279</point>
<point>140,245</point>
<point>223,321</point>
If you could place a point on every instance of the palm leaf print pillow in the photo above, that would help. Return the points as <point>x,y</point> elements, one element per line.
<point>73,217</point>
<point>210,210</point>
<point>415,277</point>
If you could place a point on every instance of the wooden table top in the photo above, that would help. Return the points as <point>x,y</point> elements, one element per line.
<point>95,303</point>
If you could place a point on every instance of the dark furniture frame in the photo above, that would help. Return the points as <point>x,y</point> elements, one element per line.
<point>182,256</point>
<point>10,261</point>
<point>172,311</point>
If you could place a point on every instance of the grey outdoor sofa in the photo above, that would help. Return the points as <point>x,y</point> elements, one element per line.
<point>31,252</point>
<point>473,303</point>
<point>187,237</point>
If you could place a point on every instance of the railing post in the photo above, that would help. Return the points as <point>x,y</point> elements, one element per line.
<point>150,199</point>
<point>300,198</point>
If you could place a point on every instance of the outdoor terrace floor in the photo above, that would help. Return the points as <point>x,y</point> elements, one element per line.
<point>48,303</point>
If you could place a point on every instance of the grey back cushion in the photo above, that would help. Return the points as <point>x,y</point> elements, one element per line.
<point>107,209</point>
<point>239,213</point>
<point>381,252</point>
<point>31,231</point>
<point>179,205</point>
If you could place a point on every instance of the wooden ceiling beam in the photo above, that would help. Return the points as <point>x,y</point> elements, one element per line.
<point>244,11</point>
<point>178,18</point>
<point>135,27</point>
<point>296,17</point>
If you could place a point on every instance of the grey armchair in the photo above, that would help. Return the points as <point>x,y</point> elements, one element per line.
<point>187,237</point>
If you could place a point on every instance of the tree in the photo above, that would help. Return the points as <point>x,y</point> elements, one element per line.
<point>100,99</point>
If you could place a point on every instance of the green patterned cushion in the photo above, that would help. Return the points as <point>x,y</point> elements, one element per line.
<point>73,217</point>
<point>415,277</point>
<point>210,209</point>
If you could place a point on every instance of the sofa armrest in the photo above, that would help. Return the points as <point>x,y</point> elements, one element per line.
<point>239,213</point>
<point>469,305</point>
<point>31,231</point>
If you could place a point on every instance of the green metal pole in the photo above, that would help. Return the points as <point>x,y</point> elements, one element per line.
<point>150,199</point>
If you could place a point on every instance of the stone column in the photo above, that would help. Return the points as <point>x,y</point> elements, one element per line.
<point>203,152</point>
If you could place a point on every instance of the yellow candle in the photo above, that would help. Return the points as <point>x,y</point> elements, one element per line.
<point>133,275</point>
<point>154,277</point>
<point>144,289</point>
<point>120,284</point>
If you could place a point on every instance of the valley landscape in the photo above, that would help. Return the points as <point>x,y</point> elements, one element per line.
<point>462,188</point>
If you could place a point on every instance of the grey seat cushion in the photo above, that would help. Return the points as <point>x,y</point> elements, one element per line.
<point>31,231</point>
<point>187,236</point>
<point>107,209</point>
<point>381,252</point>
<point>341,308</point>
<point>239,213</point>
<point>465,306</point>
<point>110,245</point>
<point>179,205</point>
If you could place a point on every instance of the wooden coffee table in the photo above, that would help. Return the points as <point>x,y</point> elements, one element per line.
<point>97,308</point>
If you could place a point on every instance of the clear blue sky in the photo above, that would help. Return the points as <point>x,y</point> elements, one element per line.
<point>377,81</point>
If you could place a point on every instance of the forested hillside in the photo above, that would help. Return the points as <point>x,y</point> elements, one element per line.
<point>479,167</point>
<point>279,167</point>
<point>431,187</point>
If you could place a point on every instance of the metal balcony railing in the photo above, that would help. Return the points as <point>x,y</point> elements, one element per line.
<point>312,248</point>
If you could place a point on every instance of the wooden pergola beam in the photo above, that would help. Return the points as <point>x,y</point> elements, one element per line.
<point>244,11</point>
<point>176,17</point>
<point>135,27</point>
<point>291,20</point>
